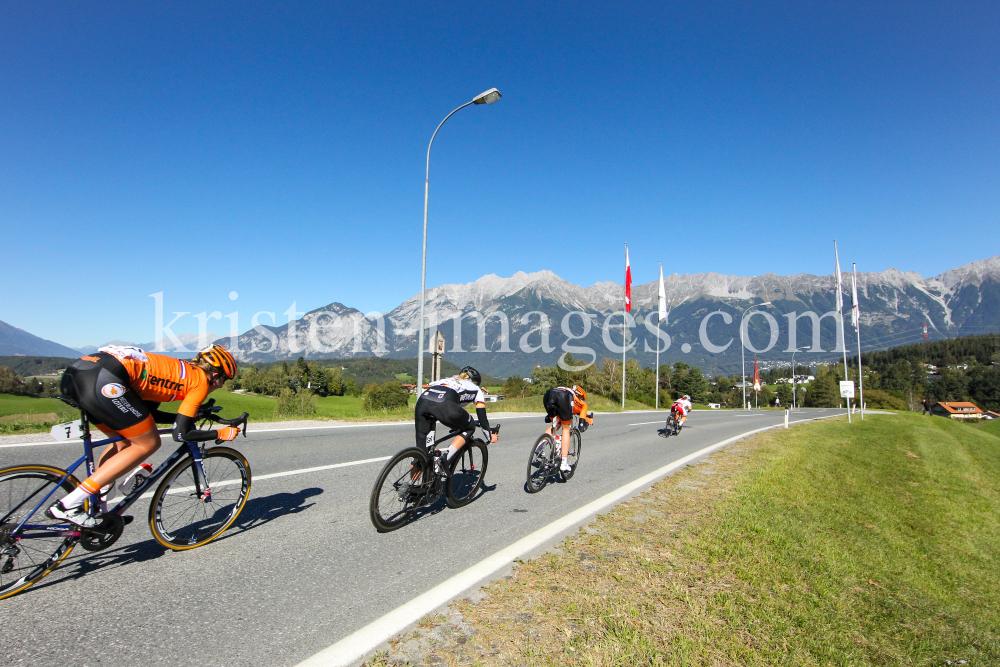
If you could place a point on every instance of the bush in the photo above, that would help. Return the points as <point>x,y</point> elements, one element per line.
<point>295,404</point>
<point>382,398</point>
<point>876,398</point>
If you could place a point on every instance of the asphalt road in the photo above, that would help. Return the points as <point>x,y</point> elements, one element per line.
<point>303,567</point>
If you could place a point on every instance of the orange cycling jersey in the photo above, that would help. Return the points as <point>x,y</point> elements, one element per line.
<point>162,379</point>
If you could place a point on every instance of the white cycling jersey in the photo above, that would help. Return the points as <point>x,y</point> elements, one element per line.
<point>467,390</point>
<point>685,406</point>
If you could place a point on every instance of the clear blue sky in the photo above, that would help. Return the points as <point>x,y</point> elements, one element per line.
<point>277,149</point>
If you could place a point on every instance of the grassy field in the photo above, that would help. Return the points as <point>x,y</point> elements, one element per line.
<point>27,414</point>
<point>874,543</point>
<point>534,404</point>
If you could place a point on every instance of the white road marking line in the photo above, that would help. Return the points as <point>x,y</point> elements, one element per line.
<point>658,421</point>
<point>357,645</point>
<point>272,475</point>
<point>498,415</point>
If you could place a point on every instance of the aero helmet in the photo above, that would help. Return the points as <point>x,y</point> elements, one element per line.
<point>220,359</point>
<point>473,374</point>
<point>580,392</point>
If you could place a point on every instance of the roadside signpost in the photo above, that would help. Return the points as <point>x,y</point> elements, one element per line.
<point>847,391</point>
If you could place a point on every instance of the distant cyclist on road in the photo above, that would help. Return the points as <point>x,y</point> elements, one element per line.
<point>443,401</point>
<point>560,404</point>
<point>682,406</point>
<point>120,389</point>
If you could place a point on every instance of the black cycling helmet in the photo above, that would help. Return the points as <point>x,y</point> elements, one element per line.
<point>473,374</point>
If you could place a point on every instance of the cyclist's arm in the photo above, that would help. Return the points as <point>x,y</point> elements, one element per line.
<point>481,414</point>
<point>185,430</point>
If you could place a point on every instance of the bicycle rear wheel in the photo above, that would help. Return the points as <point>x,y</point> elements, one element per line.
<point>29,554</point>
<point>573,455</point>
<point>668,429</point>
<point>540,463</point>
<point>181,519</point>
<point>466,473</point>
<point>398,491</point>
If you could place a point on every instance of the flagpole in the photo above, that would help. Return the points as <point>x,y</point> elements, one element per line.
<point>624,315</point>
<point>658,341</point>
<point>857,327</point>
<point>840,313</point>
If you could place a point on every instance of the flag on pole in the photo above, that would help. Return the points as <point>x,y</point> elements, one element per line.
<point>663,298</point>
<point>628,284</point>
<point>855,310</point>
<point>756,375</point>
<point>840,288</point>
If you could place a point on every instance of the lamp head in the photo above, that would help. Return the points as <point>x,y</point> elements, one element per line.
<point>766,303</point>
<point>489,97</point>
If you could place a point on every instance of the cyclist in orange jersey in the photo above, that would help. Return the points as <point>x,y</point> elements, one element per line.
<point>121,389</point>
<point>560,404</point>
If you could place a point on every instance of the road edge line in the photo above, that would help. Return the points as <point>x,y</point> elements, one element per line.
<point>360,643</point>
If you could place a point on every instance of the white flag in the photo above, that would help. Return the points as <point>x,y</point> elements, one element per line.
<point>663,298</point>
<point>855,310</point>
<point>840,287</point>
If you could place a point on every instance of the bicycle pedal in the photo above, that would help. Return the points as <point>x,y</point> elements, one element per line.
<point>127,519</point>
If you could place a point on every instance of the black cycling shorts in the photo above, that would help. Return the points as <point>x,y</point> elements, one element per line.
<point>558,403</point>
<point>101,388</point>
<point>440,404</point>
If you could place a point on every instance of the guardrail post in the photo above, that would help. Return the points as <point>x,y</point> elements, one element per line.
<point>786,417</point>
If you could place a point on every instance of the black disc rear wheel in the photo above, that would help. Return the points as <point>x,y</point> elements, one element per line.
<point>399,489</point>
<point>466,473</point>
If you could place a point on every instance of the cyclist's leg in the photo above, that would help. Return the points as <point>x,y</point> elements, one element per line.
<point>550,403</point>
<point>453,416</point>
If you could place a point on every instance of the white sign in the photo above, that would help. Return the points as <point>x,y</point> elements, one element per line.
<point>847,388</point>
<point>67,431</point>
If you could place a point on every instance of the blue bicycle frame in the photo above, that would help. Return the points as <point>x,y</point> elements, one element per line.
<point>193,448</point>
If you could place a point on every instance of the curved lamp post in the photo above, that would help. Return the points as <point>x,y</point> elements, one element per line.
<point>743,348</point>
<point>488,97</point>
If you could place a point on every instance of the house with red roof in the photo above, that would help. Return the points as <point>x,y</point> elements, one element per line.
<point>991,415</point>
<point>957,410</point>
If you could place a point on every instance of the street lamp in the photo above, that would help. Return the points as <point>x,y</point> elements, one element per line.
<point>793,373</point>
<point>488,97</point>
<point>743,348</point>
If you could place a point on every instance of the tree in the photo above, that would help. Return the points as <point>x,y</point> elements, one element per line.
<point>385,397</point>
<point>515,386</point>
<point>10,383</point>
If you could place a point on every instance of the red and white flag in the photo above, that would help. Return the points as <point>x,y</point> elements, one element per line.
<point>628,283</point>
<point>756,375</point>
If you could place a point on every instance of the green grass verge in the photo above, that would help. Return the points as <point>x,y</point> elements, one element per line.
<point>874,543</point>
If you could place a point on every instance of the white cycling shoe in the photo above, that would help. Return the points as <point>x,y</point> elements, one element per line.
<point>75,515</point>
<point>565,466</point>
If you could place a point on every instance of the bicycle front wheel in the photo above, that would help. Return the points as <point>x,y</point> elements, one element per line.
<point>466,473</point>
<point>181,518</point>
<point>573,455</point>
<point>28,554</point>
<point>398,491</point>
<point>540,463</point>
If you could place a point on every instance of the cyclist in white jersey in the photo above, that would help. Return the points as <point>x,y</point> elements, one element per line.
<point>683,407</point>
<point>443,401</point>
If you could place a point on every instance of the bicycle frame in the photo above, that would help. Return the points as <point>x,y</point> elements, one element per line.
<point>201,482</point>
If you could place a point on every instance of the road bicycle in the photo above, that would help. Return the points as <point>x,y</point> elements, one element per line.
<point>545,459</point>
<point>203,490</point>
<point>416,477</point>
<point>672,426</point>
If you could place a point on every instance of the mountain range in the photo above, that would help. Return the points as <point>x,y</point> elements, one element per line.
<point>894,307</point>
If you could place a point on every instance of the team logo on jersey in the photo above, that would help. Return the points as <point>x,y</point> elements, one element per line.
<point>113,390</point>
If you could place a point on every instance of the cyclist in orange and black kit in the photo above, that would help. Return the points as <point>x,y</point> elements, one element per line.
<point>121,389</point>
<point>560,404</point>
